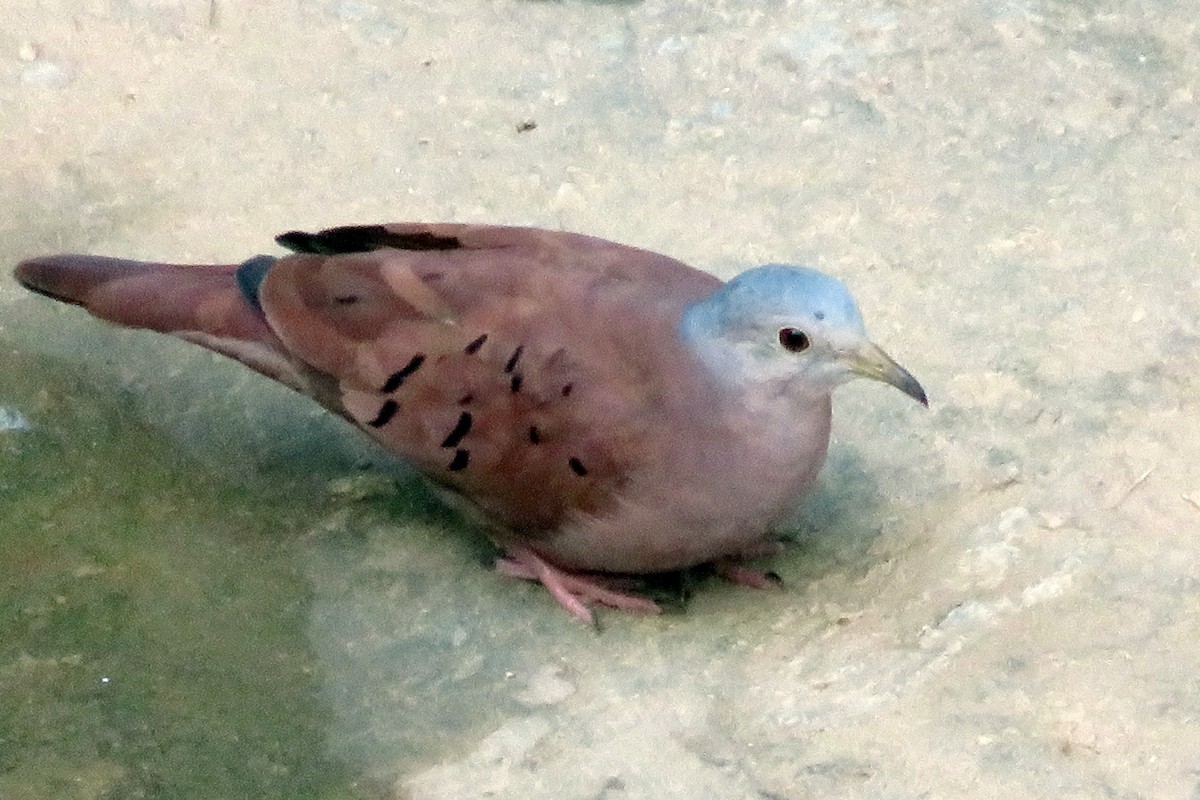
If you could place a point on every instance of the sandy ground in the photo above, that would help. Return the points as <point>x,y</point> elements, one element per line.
<point>204,594</point>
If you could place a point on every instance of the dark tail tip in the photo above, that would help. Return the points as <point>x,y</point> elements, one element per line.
<point>73,278</point>
<point>44,276</point>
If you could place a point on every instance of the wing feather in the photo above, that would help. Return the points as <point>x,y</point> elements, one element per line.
<point>523,368</point>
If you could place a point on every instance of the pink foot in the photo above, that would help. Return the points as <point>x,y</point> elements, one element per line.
<point>573,591</point>
<point>734,572</point>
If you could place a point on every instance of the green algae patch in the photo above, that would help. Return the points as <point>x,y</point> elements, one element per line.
<point>152,615</point>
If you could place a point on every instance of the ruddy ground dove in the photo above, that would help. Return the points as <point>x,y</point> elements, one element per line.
<point>603,409</point>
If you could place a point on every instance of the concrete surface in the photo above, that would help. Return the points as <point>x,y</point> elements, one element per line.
<point>207,589</point>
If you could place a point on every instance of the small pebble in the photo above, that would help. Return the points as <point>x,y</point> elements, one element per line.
<point>1052,521</point>
<point>546,687</point>
<point>45,74</point>
<point>12,420</point>
<point>360,486</point>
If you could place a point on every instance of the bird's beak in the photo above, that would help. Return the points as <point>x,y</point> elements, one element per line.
<point>869,361</point>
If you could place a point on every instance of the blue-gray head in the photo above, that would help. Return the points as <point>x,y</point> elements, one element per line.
<point>789,324</point>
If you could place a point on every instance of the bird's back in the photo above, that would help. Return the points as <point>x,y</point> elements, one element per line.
<point>533,372</point>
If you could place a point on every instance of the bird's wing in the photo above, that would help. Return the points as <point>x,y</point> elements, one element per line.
<point>530,370</point>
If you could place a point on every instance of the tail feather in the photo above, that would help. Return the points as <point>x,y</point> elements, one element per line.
<point>215,306</point>
<point>169,298</point>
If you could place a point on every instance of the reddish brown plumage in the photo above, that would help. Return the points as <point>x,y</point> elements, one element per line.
<point>161,297</point>
<point>538,374</point>
<point>557,310</point>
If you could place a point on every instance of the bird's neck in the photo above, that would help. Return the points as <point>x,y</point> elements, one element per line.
<point>761,395</point>
<point>785,427</point>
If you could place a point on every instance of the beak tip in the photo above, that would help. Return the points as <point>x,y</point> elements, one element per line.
<point>872,362</point>
<point>916,392</point>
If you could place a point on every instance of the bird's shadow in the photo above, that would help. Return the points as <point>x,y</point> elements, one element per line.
<point>832,530</point>
<point>835,527</point>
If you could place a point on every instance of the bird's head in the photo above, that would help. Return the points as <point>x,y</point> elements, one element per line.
<point>781,323</point>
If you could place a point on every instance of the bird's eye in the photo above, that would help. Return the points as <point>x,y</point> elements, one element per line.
<point>794,340</point>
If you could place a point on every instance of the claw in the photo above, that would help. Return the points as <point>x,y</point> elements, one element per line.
<point>574,591</point>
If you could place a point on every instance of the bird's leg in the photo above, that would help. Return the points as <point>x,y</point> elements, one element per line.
<point>731,569</point>
<point>734,572</point>
<point>573,591</point>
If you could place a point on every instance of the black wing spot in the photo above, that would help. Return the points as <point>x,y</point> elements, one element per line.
<point>460,461</point>
<point>516,382</point>
<point>346,299</point>
<point>363,239</point>
<point>577,466</point>
<point>566,390</point>
<point>476,343</point>
<point>397,378</point>
<point>461,429</point>
<point>535,435</point>
<point>386,412</point>
<point>514,358</point>
<point>466,399</point>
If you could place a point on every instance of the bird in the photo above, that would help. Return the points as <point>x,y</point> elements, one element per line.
<point>600,411</point>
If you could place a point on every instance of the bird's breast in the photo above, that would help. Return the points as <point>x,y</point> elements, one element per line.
<point>717,494</point>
